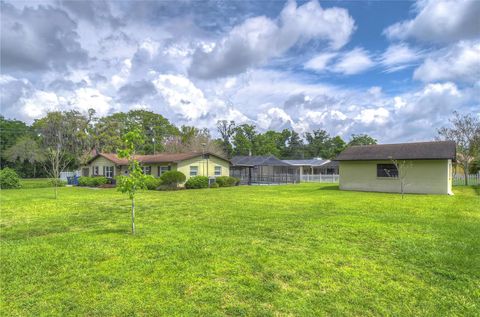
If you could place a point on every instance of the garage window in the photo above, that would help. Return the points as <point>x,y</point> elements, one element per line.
<point>387,171</point>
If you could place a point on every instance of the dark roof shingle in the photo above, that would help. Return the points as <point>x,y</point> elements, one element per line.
<point>401,151</point>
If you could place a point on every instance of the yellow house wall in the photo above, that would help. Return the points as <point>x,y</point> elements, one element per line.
<point>211,162</point>
<point>101,162</point>
<point>423,177</point>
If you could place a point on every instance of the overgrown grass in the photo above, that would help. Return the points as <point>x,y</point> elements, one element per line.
<point>296,250</point>
<point>28,183</point>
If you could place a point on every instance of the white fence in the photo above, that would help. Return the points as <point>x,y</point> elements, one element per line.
<point>64,175</point>
<point>473,179</point>
<point>320,178</point>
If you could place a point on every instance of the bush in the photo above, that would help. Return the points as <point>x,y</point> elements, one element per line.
<point>197,182</point>
<point>152,183</point>
<point>57,182</point>
<point>214,185</point>
<point>227,181</point>
<point>92,181</point>
<point>171,179</point>
<point>9,179</point>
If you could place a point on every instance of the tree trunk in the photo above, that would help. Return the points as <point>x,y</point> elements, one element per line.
<point>133,215</point>
<point>465,172</point>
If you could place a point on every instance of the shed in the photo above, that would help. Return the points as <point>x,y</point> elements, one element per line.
<point>263,170</point>
<point>427,167</point>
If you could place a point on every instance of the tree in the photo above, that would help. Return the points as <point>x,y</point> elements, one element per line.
<point>25,150</point>
<point>10,131</point>
<point>244,139</point>
<point>61,137</point>
<point>295,148</point>
<point>402,169</point>
<point>361,139</point>
<point>136,179</point>
<point>465,131</point>
<point>226,130</point>
<point>192,139</point>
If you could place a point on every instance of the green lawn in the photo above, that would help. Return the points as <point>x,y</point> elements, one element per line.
<point>294,250</point>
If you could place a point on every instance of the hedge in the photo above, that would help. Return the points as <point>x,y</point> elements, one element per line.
<point>171,179</point>
<point>9,179</point>
<point>152,183</point>
<point>197,182</point>
<point>227,181</point>
<point>92,181</point>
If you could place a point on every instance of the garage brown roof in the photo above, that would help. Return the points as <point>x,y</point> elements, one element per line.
<point>437,150</point>
<point>153,158</point>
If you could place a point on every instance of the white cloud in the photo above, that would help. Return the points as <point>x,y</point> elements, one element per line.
<point>39,104</point>
<point>319,63</point>
<point>460,62</point>
<point>440,21</point>
<point>373,116</point>
<point>260,38</point>
<point>182,96</point>
<point>353,62</point>
<point>399,56</point>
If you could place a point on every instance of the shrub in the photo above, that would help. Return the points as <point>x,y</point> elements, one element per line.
<point>9,179</point>
<point>197,182</point>
<point>227,181</point>
<point>171,179</point>
<point>92,181</point>
<point>214,185</point>
<point>152,183</point>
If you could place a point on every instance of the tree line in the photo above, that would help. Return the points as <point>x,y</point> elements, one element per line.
<point>67,139</point>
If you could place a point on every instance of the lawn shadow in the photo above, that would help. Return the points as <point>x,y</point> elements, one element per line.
<point>330,187</point>
<point>477,189</point>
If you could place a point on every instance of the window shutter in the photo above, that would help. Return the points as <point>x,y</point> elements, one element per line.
<point>103,170</point>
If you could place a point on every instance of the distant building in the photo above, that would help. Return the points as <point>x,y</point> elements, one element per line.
<point>263,170</point>
<point>190,164</point>
<point>370,167</point>
<point>315,166</point>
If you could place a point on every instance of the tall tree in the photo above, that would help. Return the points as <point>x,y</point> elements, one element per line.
<point>226,129</point>
<point>10,131</point>
<point>361,139</point>
<point>244,139</point>
<point>25,150</point>
<point>295,148</point>
<point>135,179</point>
<point>318,142</point>
<point>465,131</point>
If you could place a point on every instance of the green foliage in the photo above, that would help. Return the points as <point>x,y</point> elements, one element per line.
<point>152,183</point>
<point>94,181</point>
<point>227,181</point>
<point>9,179</point>
<point>57,182</point>
<point>197,182</point>
<point>361,139</point>
<point>299,250</point>
<point>214,185</point>
<point>172,179</point>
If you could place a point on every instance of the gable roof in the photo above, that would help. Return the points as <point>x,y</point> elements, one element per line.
<point>154,158</point>
<point>401,151</point>
<point>269,160</point>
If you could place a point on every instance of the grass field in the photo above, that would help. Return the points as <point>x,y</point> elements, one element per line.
<point>294,250</point>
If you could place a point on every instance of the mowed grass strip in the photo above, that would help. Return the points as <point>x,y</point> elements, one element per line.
<point>292,250</point>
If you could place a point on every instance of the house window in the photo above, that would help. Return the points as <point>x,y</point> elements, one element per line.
<point>218,170</point>
<point>163,169</point>
<point>109,171</point>
<point>193,170</point>
<point>147,170</point>
<point>387,170</point>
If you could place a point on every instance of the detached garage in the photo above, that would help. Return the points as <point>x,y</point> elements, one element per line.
<point>427,167</point>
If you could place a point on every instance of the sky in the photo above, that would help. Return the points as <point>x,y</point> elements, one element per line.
<point>395,70</point>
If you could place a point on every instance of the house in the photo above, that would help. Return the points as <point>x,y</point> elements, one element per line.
<point>263,170</point>
<point>190,164</point>
<point>427,167</point>
<point>316,166</point>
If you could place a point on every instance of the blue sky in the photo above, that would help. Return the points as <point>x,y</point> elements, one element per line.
<point>392,69</point>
